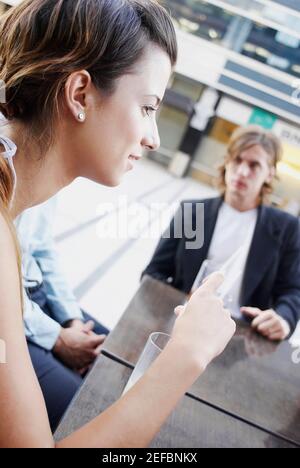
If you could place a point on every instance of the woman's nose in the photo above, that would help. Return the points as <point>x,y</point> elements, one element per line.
<point>151,141</point>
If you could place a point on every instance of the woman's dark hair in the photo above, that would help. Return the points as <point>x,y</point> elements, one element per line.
<point>43,41</point>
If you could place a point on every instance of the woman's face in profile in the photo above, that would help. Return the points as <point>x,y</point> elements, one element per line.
<point>121,126</point>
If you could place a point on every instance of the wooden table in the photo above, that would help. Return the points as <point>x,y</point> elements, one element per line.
<point>192,425</point>
<point>249,397</point>
<point>254,379</point>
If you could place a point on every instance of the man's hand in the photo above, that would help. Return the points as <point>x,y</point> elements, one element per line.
<point>268,323</point>
<point>78,348</point>
<point>80,325</point>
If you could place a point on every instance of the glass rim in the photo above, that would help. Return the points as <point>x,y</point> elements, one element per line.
<point>155,334</point>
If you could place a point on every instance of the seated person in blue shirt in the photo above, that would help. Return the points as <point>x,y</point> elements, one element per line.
<point>63,341</point>
<point>267,240</point>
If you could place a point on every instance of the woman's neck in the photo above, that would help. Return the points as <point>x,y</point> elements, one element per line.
<point>39,176</point>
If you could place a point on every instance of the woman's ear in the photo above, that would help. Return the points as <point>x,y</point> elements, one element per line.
<point>77,87</point>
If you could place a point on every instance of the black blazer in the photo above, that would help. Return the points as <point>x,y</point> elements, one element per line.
<point>272,274</point>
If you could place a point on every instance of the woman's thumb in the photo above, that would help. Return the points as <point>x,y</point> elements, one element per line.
<point>179,310</point>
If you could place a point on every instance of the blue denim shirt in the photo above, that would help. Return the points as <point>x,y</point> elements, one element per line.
<point>40,264</point>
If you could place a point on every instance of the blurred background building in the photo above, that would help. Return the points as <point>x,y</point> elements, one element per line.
<point>239,64</point>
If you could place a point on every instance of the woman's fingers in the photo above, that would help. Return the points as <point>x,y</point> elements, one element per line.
<point>211,285</point>
<point>179,310</point>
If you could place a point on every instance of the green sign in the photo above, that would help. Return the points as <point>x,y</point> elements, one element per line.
<point>262,118</point>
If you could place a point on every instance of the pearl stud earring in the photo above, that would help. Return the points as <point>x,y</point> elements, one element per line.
<point>81,116</point>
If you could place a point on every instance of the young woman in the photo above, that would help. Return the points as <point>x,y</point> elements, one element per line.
<point>83,81</point>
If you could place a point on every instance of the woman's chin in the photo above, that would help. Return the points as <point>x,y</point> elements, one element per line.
<point>115,180</point>
<point>111,177</point>
<point>108,180</point>
<point>111,182</point>
<point>115,183</point>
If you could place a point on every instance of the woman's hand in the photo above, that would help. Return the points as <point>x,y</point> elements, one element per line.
<point>203,327</point>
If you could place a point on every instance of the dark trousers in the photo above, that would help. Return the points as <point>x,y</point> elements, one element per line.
<point>59,384</point>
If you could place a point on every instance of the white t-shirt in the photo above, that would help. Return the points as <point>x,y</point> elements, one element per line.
<point>234,230</point>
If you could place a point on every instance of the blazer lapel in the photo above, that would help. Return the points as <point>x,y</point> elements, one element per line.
<point>195,258</point>
<point>265,241</point>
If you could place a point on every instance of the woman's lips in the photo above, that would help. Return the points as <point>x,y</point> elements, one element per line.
<point>134,158</point>
<point>131,159</point>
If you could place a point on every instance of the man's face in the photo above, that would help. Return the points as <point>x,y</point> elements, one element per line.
<point>248,172</point>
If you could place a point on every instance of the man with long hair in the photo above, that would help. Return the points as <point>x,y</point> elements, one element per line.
<point>267,239</point>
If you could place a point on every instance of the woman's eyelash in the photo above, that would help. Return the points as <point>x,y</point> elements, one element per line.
<point>149,109</point>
